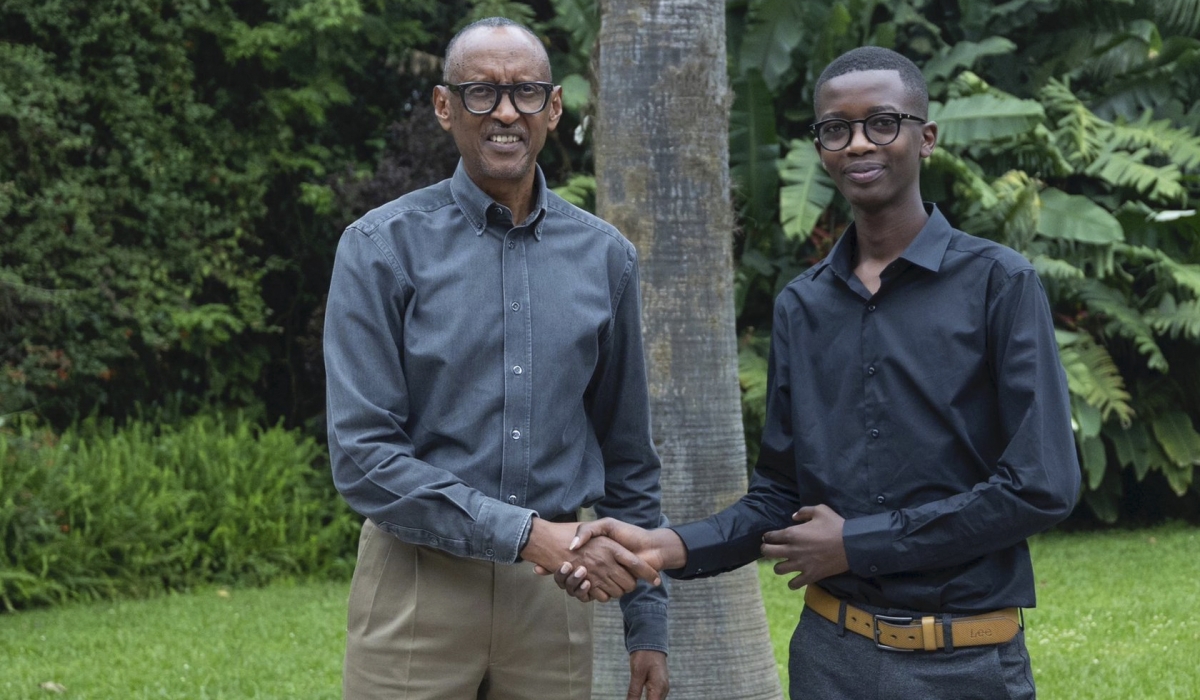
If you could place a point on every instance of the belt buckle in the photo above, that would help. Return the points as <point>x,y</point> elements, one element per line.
<point>891,620</point>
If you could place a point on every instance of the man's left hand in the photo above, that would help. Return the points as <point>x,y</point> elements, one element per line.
<point>647,675</point>
<point>814,548</point>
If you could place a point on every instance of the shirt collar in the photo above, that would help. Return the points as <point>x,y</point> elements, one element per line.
<point>926,250</point>
<point>474,202</point>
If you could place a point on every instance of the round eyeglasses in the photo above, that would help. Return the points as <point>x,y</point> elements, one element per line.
<point>484,98</point>
<point>880,129</point>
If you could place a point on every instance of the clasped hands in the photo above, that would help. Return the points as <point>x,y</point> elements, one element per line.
<point>608,568</point>
<point>620,554</point>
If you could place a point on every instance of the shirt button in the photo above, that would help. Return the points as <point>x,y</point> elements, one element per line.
<point>871,371</point>
<point>511,245</point>
<point>874,432</point>
<point>517,369</point>
<point>880,500</point>
<point>516,434</point>
<point>871,307</point>
<point>512,500</point>
<point>490,552</point>
<point>515,306</point>
<point>874,568</point>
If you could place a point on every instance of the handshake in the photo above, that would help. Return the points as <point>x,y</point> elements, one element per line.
<point>604,559</point>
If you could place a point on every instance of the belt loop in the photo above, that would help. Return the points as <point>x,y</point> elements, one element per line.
<point>928,633</point>
<point>841,621</point>
<point>948,632</point>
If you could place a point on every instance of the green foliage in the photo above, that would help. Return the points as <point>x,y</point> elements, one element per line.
<point>1073,217</point>
<point>96,214</point>
<point>982,118</point>
<point>808,190</point>
<point>963,56</point>
<point>753,151</point>
<point>1093,376</point>
<point>160,168</point>
<point>580,190</point>
<point>99,512</point>
<point>774,28</point>
<point>752,376</point>
<point>516,11</point>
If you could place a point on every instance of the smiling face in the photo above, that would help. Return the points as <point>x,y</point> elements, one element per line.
<point>875,178</point>
<point>499,150</point>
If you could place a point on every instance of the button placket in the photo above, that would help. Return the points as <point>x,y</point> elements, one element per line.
<point>873,402</point>
<point>515,466</point>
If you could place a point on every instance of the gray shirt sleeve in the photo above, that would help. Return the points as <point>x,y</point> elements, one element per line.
<point>373,460</point>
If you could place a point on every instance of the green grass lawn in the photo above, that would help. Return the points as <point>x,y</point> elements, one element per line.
<point>1118,618</point>
<point>284,641</point>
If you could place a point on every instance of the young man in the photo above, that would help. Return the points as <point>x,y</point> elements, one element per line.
<point>486,381</point>
<point>918,429</point>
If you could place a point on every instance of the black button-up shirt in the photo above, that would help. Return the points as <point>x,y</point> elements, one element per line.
<point>932,415</point>
<point>481,371</point>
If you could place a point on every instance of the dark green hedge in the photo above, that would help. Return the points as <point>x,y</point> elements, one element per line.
<point>167,207</point>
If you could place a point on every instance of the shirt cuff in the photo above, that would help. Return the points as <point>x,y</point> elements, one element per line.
<point>869,546</point>
<point>709,553</point>
<point>499,531</point>
<point>646,627</point>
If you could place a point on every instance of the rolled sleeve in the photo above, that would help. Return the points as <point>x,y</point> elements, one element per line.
<point>646,618</point>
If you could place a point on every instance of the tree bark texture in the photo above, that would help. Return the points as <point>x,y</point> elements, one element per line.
<point>662,149</point>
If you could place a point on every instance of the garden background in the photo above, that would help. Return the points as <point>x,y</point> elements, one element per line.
<point>174,175</point>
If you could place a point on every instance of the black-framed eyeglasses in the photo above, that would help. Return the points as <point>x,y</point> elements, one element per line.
<point>484,98</point>
<point>880,129</point>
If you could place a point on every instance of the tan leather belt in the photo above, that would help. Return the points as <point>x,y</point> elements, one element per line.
<point>917,633</point>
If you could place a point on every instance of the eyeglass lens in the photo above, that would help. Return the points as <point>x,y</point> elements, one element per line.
<point>880,130</point>
<point>482,98</point>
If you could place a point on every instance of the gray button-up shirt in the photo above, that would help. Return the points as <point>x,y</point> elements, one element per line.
<point>480,372</point>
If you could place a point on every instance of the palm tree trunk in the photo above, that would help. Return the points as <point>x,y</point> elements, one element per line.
<point>662,148</point>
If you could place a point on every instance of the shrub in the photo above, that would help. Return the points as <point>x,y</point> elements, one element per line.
<point>100,512</point>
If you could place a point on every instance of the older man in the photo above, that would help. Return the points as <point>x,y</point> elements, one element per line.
<point>486,381</point>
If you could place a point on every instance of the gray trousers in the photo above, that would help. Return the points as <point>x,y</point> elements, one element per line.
<point>825,666</point>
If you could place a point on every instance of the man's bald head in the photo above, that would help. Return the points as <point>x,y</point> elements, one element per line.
<point>453,59</point>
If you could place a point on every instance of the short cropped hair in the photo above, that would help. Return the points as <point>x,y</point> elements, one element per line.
<point>878,58</point>
<point>448,64</point>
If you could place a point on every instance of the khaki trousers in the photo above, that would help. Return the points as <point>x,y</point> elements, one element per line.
<point>427,625</point>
